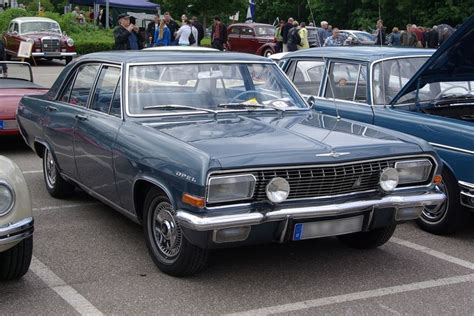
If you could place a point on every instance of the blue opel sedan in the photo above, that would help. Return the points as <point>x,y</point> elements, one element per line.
<point>209,150</point>
<point>425,93</point>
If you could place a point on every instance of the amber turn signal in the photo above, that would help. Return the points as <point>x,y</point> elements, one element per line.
<point>193,200</point>
<point>437,179</point>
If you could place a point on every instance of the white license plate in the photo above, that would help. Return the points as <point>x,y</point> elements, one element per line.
<point>8,124</point>
<point>327,228</point>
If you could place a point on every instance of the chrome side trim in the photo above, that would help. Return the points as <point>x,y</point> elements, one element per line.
<point>18,231</point>
<point>461,150</point>
<point>205,223</point>
<point>466,191</point>
<point>466,184</point>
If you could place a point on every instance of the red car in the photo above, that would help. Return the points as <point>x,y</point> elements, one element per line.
<point>253,38</point>
<point>49,41</point>
<point>16,80</point>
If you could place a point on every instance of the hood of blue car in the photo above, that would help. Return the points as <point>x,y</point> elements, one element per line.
<point>453,61</point>
<point>255,140</point>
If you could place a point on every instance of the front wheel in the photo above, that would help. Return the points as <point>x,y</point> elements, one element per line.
<point>15,262</point>
<point>55,184</point>
<point>166,243</point>
<point>447,217</point>
<point>369,240</point>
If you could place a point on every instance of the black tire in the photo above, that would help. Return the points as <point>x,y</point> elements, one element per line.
<point>174,255</point>
<point>68,59</point>
<point>450,216</point>
<point>55,184</point>
<point>15,262</point>
<point>267,52</point>
<point>369,240</point>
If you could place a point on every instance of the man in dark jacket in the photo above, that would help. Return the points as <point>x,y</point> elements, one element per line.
<point>151,28</point>
<point>432,37</point>
<point>380,33</point>
<point>284,33</point>
<point>3,56</point>
<point>126,34</point>
<point>293,38</point>
<point>199,28</point>
<point>219,34</point>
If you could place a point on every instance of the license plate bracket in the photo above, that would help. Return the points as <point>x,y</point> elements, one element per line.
<point>325,228</point>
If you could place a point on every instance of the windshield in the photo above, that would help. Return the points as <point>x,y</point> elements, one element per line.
<point>15,70</point>
<point>209,86</point>
<point>264,31</point>
<point>397,72</point>
<point>40,26</point>
<point>364,36</point>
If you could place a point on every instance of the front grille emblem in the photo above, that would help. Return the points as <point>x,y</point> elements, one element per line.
<point>333,154</point>
<point>357,182</point>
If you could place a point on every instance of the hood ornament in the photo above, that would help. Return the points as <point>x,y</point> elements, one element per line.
<point>333,154</point>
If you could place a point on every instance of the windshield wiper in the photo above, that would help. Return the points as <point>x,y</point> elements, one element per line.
<point>244,105</point>
<point>176,106</point>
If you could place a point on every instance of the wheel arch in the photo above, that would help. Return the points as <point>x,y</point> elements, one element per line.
<point>141,187</point>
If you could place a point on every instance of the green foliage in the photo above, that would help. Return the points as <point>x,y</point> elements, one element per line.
<point>100,40</point>
<point>8,15</point>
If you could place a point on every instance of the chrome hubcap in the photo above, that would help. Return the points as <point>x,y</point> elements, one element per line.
<point>50,169</point>
<point>166,232</point>
<point>436,213</point>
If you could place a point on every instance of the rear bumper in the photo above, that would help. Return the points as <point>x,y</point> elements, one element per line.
<point>15,232</point>
<point>466,190</point>
<point>53,54</point>
<point>406,206</point>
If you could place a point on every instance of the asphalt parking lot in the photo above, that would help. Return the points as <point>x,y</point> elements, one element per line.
<point>89,259</point>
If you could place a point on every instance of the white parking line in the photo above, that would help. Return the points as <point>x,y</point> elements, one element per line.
<point>32,171</point>
<point>292,307</point>
<point>432,252</point>
<point>60,207</point>
<point>67,293</point>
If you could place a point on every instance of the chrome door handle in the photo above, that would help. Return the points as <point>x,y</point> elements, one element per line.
<point>81,117</point>
<point>51,108</point>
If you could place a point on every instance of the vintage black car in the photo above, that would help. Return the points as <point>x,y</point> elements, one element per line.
<point>214,149</point>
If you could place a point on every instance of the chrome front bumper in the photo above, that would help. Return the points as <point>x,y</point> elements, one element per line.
<point>466,190</point>
<point>18,231</point>
<point>399,202</point>
<point>54,54</point>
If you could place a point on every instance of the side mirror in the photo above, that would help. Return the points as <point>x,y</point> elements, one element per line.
<point>311,101</point>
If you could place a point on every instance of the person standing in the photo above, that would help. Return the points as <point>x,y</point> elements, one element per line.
<point>126,34</point>
<point>293,38</point>
<point>380,33</point>
<point>3,57</point>
<point>407,38</point>
<point>151,29</point>
<point>200,29</point>
<point>218,34</point>
<point>284,33</point>
<point>162,36</point>
<point>279,37</point>
<point>172,25</point>
<point>323,33</point>
<point>303,33</point>
<point>433,37</point>
<point>395,38</point>
<point>335,39</point>
<point>184,34</point>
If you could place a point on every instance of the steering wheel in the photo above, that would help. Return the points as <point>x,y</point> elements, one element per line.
<point>450,88</point>
<point>252,91</point>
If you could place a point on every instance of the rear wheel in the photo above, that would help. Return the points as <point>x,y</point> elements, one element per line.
<point>55,184</point>
<point>449,216</point>
<point>15,262</point>
<point>166,243</point>
<point>369,240</point>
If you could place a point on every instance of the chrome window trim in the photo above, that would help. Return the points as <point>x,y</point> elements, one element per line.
<point>371,68</point>
<point>218,62</point>
<point>461,150</point>
<point>329,63</point>
<point>12,205</point>
<point>208,185</point>
<point>431,159</point>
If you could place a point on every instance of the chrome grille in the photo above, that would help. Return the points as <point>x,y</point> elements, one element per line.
<point>50,45</point>
<point>324,181</point>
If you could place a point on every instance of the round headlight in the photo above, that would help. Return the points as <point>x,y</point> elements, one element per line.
<point>30,40</point>
<point>70,42</point>
<point>389,179</point>
<point>278,190</point>
<point>7,199</point>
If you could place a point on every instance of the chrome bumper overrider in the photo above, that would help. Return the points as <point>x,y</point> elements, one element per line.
<point>467,194</point>
<point>204,223</point>
<point>16,231</point>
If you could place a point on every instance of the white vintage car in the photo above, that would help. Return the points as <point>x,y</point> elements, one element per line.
<point>16,222</point>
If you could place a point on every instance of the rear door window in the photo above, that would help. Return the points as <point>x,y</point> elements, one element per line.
<point>82,86</point>
<point>347,81</point>
<point>104,91</point>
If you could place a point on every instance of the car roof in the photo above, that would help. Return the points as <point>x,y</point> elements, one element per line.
<point>250,24</point>
<point>182,48</point>
<point>153,56</point>
<point>361,53</point>
<point>32,19</point>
